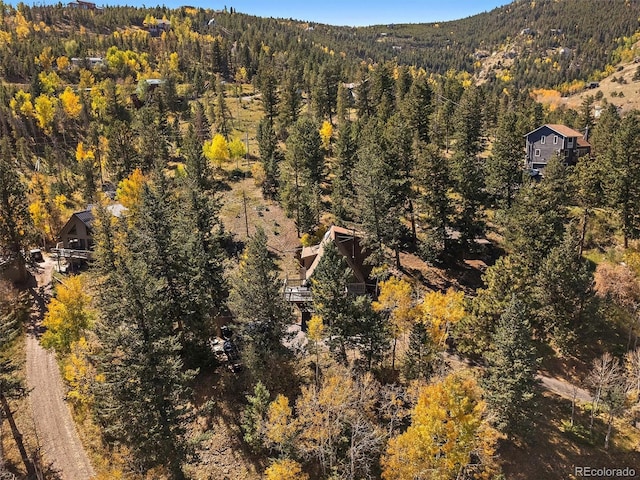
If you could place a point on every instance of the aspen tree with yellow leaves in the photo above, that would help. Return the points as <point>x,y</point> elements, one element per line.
<point>448,428</point>
<point>68,315</point>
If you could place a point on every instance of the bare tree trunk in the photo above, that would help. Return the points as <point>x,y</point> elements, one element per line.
<point>17,436</point>
<point>585,221</point>
<point>393,354</point>
<point>608,436</point>
<point>574,392</point>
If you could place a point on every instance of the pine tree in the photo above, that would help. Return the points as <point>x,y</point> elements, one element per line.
<point>142,397</point>
<point>14,214</point>
<point>623,179</point>
<point>370,331</point>
<point>305,166</point>
<point>433,182</point>
<point>504,166</point>
<point>563,290</point>
<point>467,170</point>
<point>510,382</point>
<point>417,108</point>
<point>267,82</point>
<point>14,312</point>
<point>258,305</point>
<point>270,156</point>
<point>535,222</point>
<point>379,198</point>
<point>331,301</point>
<point>342,186</point>
<point>418,362</point>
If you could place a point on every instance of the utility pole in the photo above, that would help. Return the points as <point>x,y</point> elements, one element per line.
<point>246,219</point>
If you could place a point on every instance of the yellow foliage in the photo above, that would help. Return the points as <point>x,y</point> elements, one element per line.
<point>22,26</point>
<point>440,310</point>
<point>326,131</point>
<point>129,191</point>
<point>83,155</point>
<point>78,374</point>
<point>396,297</point>
<point>447,426</point>
<point>40,217</point>
<point>98,102</point>
<point>237,148</point>
<point>280,429</point>
<point>86,79</point>
<point>5,38</point>
<point>50,82</point>
<point>21,102</point>
<point>70,103</point>
<point>45,59</point>
<point>258,174</point>
<point>67,315</point>
<point>315,328</point>
<point>45,109</point>
<point>174,63</point>
<point>308,239</point>
<point>285,470</point>
<point>62,63</point>
<point>216,150</point>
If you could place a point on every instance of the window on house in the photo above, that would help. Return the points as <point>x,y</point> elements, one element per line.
<point>542,140</point>
<point>555,139</point>
<point>570,143</point>
<point>537,152</point>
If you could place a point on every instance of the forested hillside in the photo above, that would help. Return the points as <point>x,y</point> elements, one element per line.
<point>312,255</point>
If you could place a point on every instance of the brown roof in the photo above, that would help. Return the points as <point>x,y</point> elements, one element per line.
<point>570,132</point>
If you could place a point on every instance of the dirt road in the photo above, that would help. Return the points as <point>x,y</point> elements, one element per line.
<point>61,446</point>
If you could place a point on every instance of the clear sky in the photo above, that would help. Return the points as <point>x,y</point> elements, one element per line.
<point>342,12</point>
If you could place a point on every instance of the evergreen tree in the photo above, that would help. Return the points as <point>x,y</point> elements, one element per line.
<point>291,102</point>
<point>305,166</point>
<point>14,214</point>
<point>222,112</point>
<point>420,355</point>
<point>510,382</point>
<point>535,223</point>
<point>14,312</point>
<point>563,290</point>
<point>258,305</point>
<point>271,156</point>
<point>342,187</point>
<point>379,198</point>
<point>417,108</point>
<point>434,183</point>
<point>370,331</point>
<point>504,166</point>
<point>331,300</point>
<point>267,82</point>
<point>144,400</point>
<point>383,90</point>
<point>623,179</point>
<point>467,170</point>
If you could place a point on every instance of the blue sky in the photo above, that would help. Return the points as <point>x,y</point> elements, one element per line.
<point>343,12</point>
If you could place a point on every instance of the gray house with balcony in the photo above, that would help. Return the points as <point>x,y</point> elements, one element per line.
<point>549,140</point>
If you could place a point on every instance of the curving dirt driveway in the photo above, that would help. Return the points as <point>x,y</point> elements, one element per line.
<point>59,441</point>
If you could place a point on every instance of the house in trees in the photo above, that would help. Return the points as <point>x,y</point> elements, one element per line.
<point>348,243</point>
<point>84,6</point>
<point>543,143</point>
<point>155,26</point>
<point>77,233</point>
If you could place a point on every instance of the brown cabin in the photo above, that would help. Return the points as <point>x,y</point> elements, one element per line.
<point>77,233</point>
<point>348,244</point>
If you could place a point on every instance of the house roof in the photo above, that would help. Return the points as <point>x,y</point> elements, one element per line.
<point>334,235</point>
<point>565,132</point>
<point>87,217</point>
